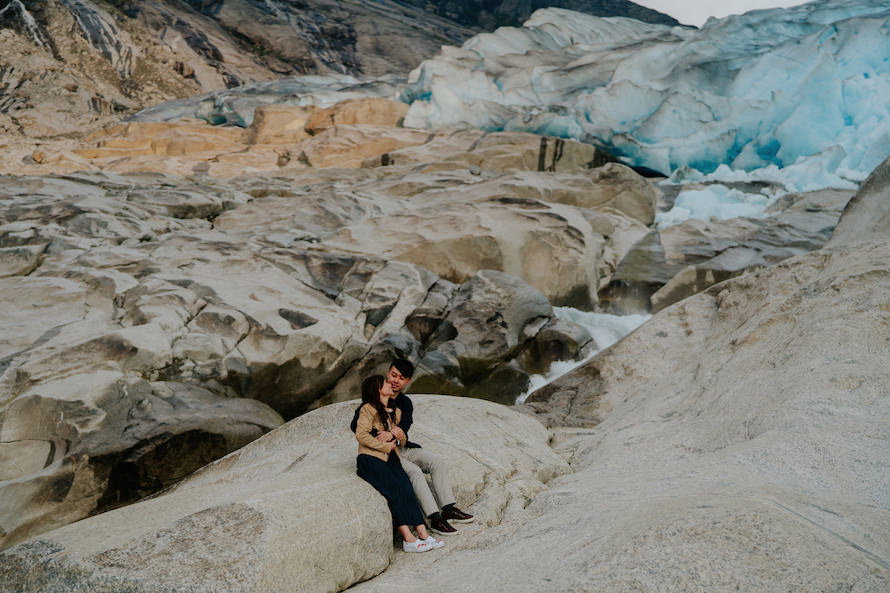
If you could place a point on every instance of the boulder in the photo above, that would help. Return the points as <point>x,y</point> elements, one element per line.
<point>559,339</point>
<point>867,216</point>
<point>490,319</point>
<point>459,230</point>
<point>620,188</point>
<point>263,518</point>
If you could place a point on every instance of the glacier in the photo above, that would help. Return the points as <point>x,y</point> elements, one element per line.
<point>803,90</point>
<point>793,96</point>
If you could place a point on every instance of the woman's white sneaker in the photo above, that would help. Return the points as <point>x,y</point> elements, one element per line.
<point>433,542</point>
<point>416,546</point>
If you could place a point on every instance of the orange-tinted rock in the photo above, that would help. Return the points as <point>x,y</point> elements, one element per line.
<point>376,112</point>
<point>162,139</point>
<point>349,146</point>
<point>279,124</point>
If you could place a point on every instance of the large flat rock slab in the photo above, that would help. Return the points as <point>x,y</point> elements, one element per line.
<point>287,512</point>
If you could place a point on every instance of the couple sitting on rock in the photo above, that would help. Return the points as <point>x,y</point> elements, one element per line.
<point>395,467</point>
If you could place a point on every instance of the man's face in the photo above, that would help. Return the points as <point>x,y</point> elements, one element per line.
<point>396,379</point>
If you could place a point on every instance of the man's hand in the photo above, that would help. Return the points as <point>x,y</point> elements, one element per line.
<point>398,433</point>
<point>385,436</point>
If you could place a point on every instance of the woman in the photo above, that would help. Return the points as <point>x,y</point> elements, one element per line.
<point>378,463</point>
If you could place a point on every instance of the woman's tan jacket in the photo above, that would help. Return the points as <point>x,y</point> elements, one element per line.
<point>367,444</point>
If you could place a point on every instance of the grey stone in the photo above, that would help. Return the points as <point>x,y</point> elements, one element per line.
<point>867,216</point>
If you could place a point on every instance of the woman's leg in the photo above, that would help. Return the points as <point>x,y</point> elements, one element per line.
<point>405,487</point>
<point>406,534</point>
<point>388,478</point>
<point>404,503</point>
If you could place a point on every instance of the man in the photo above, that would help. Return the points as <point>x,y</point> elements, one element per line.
<point>416,460</point>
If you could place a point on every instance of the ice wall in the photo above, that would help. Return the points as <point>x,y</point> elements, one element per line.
<point>807,86</point>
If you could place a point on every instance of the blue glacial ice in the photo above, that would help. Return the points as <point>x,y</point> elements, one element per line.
<point>714,201</point>
<point>798,94</point>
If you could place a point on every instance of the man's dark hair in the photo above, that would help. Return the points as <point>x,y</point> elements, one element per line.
<point>404,366</point>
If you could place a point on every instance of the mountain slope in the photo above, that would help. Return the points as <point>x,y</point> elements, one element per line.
<point>68,65</point>
<point>490,14</point>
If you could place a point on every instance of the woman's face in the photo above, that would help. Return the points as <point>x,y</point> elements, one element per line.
<point>386,391</point>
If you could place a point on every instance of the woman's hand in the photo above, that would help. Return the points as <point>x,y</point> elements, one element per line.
<point>385,436</point>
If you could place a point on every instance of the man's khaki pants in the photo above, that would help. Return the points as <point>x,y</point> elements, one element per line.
<point>416,462</point>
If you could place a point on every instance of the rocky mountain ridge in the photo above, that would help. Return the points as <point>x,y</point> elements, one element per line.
<point>71,65</point>
<point>490,14</point>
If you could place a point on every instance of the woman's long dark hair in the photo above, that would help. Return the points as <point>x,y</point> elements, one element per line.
<point>371,395</point>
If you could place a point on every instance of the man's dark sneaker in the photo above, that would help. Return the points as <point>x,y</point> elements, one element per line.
<point>455,515</point>
<point>441,526</point>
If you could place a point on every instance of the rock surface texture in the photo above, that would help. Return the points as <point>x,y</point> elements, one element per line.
<point>160,307</point>
<point>737,441</point>
<point>155,322</point>
<point>670,264</point>
<point>740,437</point>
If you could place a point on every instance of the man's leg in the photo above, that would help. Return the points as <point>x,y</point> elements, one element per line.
<point>438,524</point>
<point>434,465</point>
<point>421,488</point>
<point>429,462</point>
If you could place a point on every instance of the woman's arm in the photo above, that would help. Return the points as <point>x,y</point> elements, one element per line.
<point>366,417</point>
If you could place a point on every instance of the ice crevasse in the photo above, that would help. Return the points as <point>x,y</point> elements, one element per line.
<point>804,89</point>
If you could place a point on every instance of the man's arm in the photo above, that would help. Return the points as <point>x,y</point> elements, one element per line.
<point>354,422</point>
<point>403,402</point>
